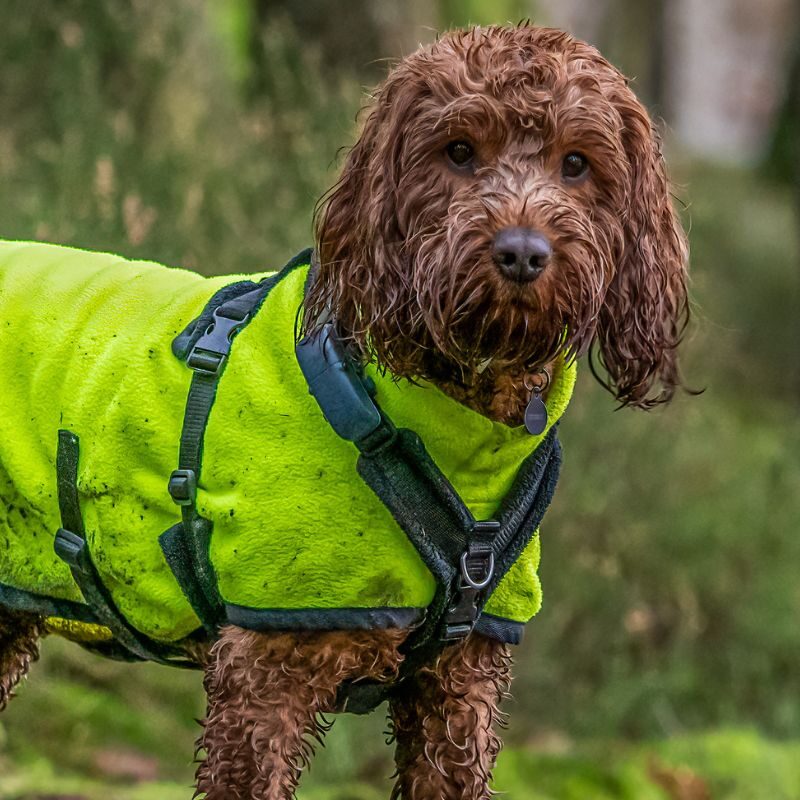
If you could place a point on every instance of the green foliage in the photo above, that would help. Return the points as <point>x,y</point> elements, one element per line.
<point>81,705</point>
<point>141,143</point>
<point>37,780</point>
<point>458,13</point>
<point>669,570</point>
<point>234,21</point>
<point>726,765</point>
<point>738,765</point>
<point>529,776</point>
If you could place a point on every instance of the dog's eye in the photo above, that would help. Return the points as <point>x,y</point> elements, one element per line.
<point>460,153</point>
<point>574,165</point>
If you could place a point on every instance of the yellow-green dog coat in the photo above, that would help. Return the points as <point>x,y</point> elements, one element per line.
<point>299,540</point>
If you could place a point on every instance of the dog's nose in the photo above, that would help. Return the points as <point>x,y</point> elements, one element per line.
<point>521,253</point>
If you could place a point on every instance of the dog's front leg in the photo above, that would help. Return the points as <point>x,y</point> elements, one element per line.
<point>265,694</point>
<point>444,721</point>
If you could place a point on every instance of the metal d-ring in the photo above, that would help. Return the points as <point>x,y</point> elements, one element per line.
<point>535,388</point>
<point>488,574</point>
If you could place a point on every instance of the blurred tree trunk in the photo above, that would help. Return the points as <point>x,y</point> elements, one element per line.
<point>586,19</point>
<point>727,76</point>
<point>784,162</point>
<point>357,38</point>
<point>784,158</point>
<point>404,26</point>
<point>630,33</point>
<point>634,34</point>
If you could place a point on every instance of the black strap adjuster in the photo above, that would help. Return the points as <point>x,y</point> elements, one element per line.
<point>71,549</point>
<point>182,487</point>
<point>477,564</point>
<point>486,527</point>
<point>211,350</point>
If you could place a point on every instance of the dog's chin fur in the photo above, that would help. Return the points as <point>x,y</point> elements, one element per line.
<point>405,236</point>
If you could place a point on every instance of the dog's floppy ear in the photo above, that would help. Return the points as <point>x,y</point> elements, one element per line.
<point>646,308</point>
<point>357,230</point>
<point>357,201</point>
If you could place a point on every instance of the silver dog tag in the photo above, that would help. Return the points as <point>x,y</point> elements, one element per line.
<point>536,415</point>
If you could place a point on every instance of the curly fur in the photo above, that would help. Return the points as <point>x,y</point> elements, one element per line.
<point>444,723</point>
<point>19,647</point>
<point>405,245</point>
<point>405,239</point>
<point>266,693</point>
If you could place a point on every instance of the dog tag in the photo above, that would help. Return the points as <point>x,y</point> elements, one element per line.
<point>536,415</point>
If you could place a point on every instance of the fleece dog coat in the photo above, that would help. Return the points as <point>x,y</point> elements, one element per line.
<point>85,343</point>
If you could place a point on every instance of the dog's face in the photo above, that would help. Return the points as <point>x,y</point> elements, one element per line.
<point>506,201</point>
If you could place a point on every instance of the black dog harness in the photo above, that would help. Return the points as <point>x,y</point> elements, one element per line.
<point>467,557</point>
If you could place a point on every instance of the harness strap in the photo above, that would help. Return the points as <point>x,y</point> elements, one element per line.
<point>205,346</point>
<point>189,552</point>
<point>71,546</point>
<point>467,557</point>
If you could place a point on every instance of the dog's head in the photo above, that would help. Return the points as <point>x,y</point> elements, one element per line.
<point>506,201</point>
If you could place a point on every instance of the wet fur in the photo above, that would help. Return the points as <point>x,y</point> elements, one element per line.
<point>404,240</point>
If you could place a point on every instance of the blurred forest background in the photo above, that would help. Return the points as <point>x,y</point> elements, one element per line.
<point>666,661</point>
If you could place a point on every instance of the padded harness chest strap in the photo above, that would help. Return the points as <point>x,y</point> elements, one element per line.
<point>467,557</point>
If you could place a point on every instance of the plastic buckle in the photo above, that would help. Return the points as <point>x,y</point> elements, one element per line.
<point>211,350</point>
<point>182,487</point>
<point>338,385</point>
<point>476,573</point>
<point>69,548</point>
<point>461,616</point>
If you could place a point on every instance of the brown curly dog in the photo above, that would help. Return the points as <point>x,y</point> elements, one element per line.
<point>505,203</point>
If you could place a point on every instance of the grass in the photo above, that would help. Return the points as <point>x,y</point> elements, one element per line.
<point>720,765</point>
<point>86,728</point>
